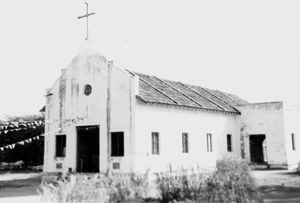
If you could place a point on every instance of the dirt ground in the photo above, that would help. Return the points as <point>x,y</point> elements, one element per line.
<point>278,185</point>
<point>275,186</point>
<point>20,187</point>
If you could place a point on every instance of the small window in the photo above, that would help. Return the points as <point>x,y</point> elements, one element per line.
<point>293,142</point>
<point>155,143</point>
<point>229,143</point>
<point>87,89</point>
<point>60,146</point>
<point>185,143</point>
<point>117,144</point>
<point>209,142</point>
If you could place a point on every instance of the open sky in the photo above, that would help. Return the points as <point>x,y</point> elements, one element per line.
<point>249,48</point>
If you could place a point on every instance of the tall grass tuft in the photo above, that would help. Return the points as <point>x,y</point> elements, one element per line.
<point>78,188</point>
<point>95,188</point>
<point>126,187</point>
<point>181,185</point>
<point>232,181</point>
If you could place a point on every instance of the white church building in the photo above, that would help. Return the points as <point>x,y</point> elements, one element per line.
<point>100,117</point>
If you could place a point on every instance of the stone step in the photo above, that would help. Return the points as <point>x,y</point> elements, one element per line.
<point>259,166</point>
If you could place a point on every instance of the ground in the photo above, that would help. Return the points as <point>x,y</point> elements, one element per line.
<point>19,187</point>
<point>275,186</point>
<point>278,185</point>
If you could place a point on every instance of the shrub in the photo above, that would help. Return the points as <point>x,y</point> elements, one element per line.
<point>169,187</point>
<point>181,186</point>
<point>193,184</point>
<point>123,187</point>
<point>100,188</point>
<point>78,188</point>
<point>231,182</point>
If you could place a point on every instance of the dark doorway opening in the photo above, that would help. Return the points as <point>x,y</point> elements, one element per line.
<point>88,149</point>
<point>257,149</point>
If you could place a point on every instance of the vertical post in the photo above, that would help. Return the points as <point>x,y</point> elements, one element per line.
<point>108,113</point>
<point>242,140</point>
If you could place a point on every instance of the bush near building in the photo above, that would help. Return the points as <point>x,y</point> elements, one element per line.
<point>232,181</point>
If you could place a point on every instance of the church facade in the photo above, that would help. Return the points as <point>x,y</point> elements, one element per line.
<point>100,117</point>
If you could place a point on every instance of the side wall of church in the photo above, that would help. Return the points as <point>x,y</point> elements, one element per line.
<point>266,118</point>
<point>170,123</point>
<point>292,126</point>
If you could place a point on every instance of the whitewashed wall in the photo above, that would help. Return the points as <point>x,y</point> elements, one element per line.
<point>171,122</point>
<point>292,125</point>
<point>122,97</point>
<point>69,102</point>
<point>266,118</point>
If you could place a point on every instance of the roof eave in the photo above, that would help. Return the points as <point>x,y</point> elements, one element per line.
<point>190,107</point>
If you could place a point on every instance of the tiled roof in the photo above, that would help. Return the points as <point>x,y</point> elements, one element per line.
<point>155,90</point>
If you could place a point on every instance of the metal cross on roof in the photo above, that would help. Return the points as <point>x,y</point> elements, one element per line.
<point>87,19</point>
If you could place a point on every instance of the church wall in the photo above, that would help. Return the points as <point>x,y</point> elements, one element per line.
<point>291,126</point>
<point>170,123</point>
<point>266,118</point>
<point>122,116</point>
<point>50,113</point>
<point>69,107</point>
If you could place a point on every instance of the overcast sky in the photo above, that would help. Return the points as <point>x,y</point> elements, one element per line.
<point>249,48</point>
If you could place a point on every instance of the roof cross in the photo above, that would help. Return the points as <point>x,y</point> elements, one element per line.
<point>87,19</point>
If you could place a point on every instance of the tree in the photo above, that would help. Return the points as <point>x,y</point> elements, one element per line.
<point>19,128</point>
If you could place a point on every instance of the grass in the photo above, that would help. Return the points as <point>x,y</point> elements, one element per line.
<point>232,181</point>
<point>99,187</point>
<point>181,185</point>
<point>269,182</point>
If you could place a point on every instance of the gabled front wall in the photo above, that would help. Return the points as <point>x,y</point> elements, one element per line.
<point>67,107</point>
<point>171,122</point>
<point>266,118</point>
<point>68,102</point>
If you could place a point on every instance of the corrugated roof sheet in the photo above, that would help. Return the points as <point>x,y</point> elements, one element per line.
<point>155,90</point>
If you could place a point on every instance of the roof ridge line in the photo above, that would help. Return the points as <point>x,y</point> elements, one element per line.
<point>202,95</point>
<point>158,90</point>
<point>179,92</point>
<point>220,98</point>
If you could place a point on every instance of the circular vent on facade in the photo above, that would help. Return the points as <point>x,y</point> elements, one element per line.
<point>87,89</point>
